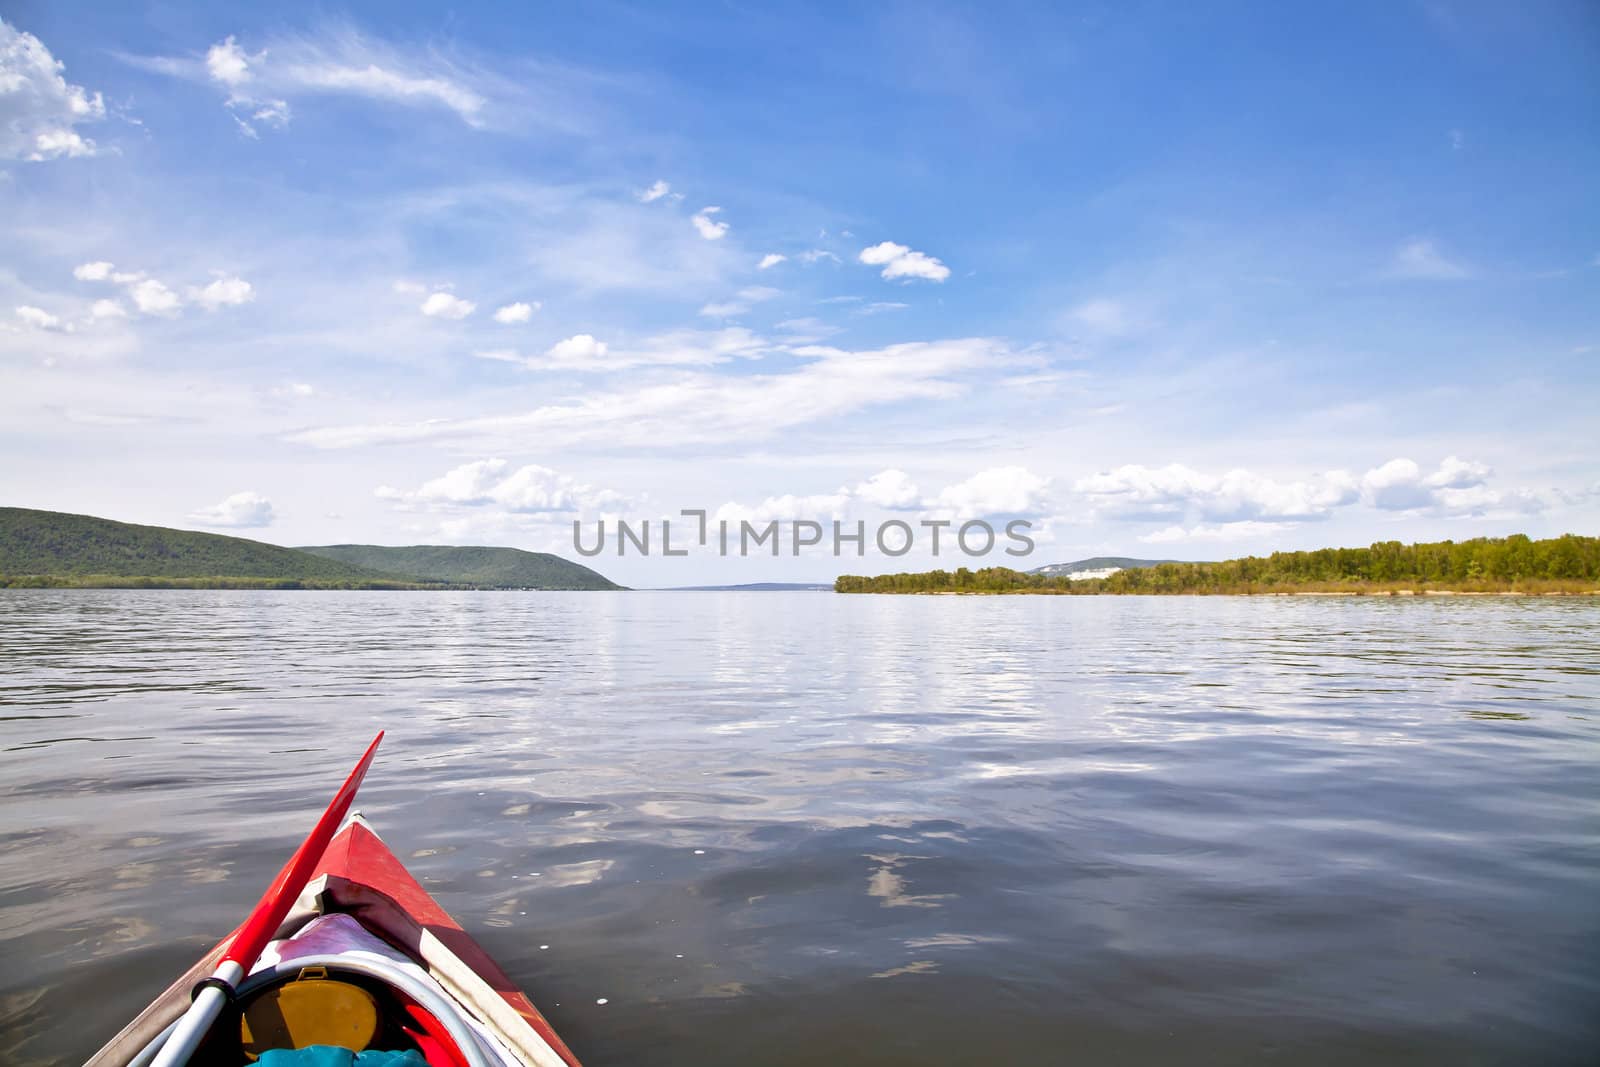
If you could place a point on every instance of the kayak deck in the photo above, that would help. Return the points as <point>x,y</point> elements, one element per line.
<point>363,930</point>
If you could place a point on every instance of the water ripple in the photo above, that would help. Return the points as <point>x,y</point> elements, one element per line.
<point>792,828</point>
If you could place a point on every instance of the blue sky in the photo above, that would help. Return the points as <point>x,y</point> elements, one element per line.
<point>1167,280</point>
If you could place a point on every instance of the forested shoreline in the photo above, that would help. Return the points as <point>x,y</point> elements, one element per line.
<point>1516,564</point>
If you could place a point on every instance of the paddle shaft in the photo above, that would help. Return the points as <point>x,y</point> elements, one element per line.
<point>263,922</point>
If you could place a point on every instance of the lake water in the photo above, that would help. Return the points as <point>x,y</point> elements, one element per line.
<point>801,828</point>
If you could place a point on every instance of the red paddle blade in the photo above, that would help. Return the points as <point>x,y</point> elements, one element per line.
<point>274,905</point>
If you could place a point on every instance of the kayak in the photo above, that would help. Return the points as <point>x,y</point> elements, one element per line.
<point>365,970</point>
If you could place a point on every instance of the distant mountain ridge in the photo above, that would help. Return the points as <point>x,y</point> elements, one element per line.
<point>53,548</point>
<point>55,543</point>
<point>1097,563</point>
<point>505,568</point>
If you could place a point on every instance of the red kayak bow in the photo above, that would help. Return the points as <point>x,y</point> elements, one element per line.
<point>264,920</point>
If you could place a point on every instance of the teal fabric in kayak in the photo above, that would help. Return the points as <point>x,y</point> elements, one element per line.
<point>332,1056</point>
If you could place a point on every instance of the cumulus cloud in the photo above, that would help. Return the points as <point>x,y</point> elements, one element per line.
<point>892,489</point>
<point>512,314</point>
<point>898,261</point>
<point>493,482</point>
<point>995,492</point>
<point>152,297</point>
<point>771,259</point>
<point>232,67</point>
<point>815,255</point>
<point>786,508</point>
<point>97,271</point>
<point>656,191</point>
<point>1457,488</point>
<point>227,63</point>
<point>241,510</point>
<point>998,491</point>
<point>1200,506</point>
<point>223,292</point>
<point>38,106</point>
<point>709,228</point>
<point>1421,260</point>
<point>579,348</point>
<point>38,318</point>
<point>107,309</point>
<point>1176,491</point>
<point>678,348</point>
<point>446,305</point>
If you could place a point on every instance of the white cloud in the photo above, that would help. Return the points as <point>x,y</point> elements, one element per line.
<point>771,259</point>
<point>1421,260</point>
<point>579,348</point>
<point>1175,491</point>
<point>445,305</point>
<point>786,508</point>
<point>898,261</point>
<point>700,407</point>
<point>335,61</point>
<point>154,297</point>
<point>1199,506</point>
<point>97,271</point>
<point>272,112</point>
<point>1457,488</point>
<point>227,63</point>
<point>677,348</point>
<point>38,318</point>
<point>223,292</point>
<point>999,491</point>
<point>232,67</point>
<point>151,297</point>
<point>242,510</point>
<point>708,227</point>
<point>406,287</point>
<point>891,488</point>
<point>815,255</point>
<point>512,314</point>
<point>529,489</point>
<point>391,85</point>
<point>1245,530</point>
<point>39,107</point>
<point>107,309</point>
<point>656,191</point>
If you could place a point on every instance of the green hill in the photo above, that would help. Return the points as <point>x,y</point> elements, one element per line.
<point>470,565</point>
<point>52,548</point>
<point>81,549</point>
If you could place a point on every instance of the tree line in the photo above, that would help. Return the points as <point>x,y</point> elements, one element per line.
<point>1570,563</point>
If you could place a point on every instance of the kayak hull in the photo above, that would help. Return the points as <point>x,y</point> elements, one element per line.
<point>360,877</point>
